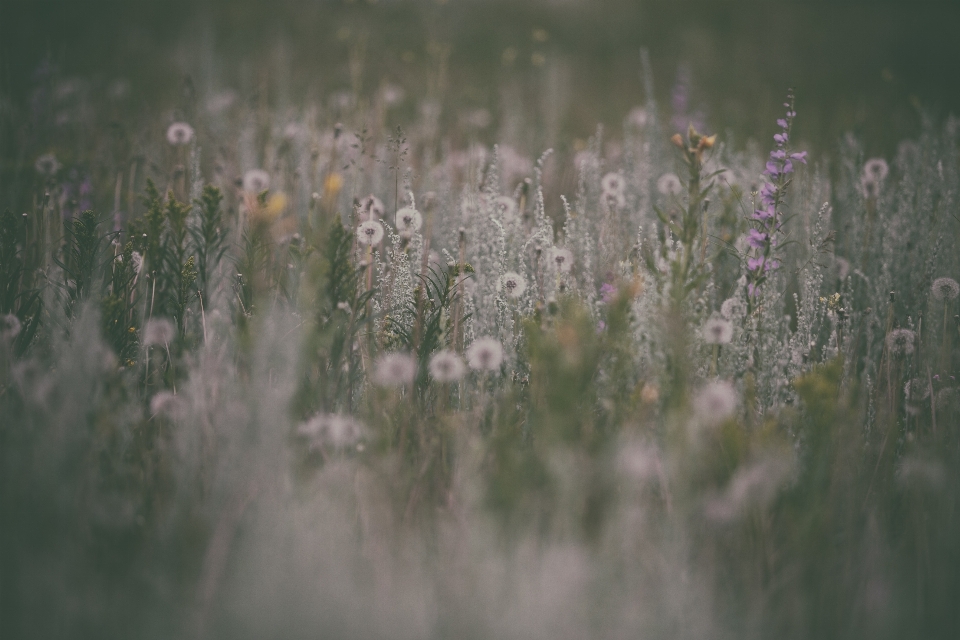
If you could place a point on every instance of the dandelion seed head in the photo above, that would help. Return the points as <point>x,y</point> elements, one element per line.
<point>669,184</point>
<point>395,369</point>
<point>876,169</point>
<point>9,326</point>
<point>168,405</point>
<point>47,165</point>
<point>371,208</point>
<point>505,208</point>
<point>513,284</point>
<point>179,134</point>
<point>562,259</point>
<point>158,331</point>
<point>717,331</point>
<point>900,342</point>
<point>638,117</point>
<point>370,232</point>
<point>715,402</point>
<point>733,308</point>
<point>409,219</point>
<point>485,354</point>
<point>256,181</point>
<point>640,462</point>
<point>612,183</point>
<point>945,289</point>
<point>331,430</point>
<point>446,366</point>
<point>869,187</point>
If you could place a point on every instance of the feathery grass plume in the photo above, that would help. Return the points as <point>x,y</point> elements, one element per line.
<point>47,165</point>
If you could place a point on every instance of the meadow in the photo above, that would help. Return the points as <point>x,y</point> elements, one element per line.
<point>385,360</point>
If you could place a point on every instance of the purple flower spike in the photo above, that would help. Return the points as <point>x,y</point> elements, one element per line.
<point>764,214</point>
<point>773,169</point>
<point>756,239</point>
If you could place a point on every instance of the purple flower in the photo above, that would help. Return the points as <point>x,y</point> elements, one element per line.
<point>781,138</point>
<point>773,169</point>
<point>783,123</point>
<point>764,214</point>
<point>606,291</point>
<point>601,326</point>
<point>788,167</point>
<point>778,154</point>
<point>756,239</point>
<point>755,264</point>
<point>799,157</point>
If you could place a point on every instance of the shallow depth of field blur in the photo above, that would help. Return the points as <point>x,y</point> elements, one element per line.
<point>479,319</point>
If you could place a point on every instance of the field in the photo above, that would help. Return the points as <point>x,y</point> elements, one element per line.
<point>477,320</point>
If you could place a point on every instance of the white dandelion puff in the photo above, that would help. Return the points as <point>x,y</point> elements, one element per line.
<point>370,232</point>
<point>179,134</point>
<point>876,169</point>
<point>395,369</point>
<point>717,331</point>
<point>562,259</point>
<point>168,405</point>
<point>638,117</point>
<point>715,402</point>
<point>612,183</point>
<point>47,165</point>
<point>733,308</point>
<point>371,208</point>
<point>513,284</point>
<point>945,289</point>
<point>331,430</point>
<point>409,219</point>
<point>615,199</point>
<point>485,354</point>
<point>669,184</point>
<point>900,342</point>
<point>256,181</point>
<point>446,366</point>
<point>158,331</point>
<point>9,326</point>
<point>505,208</point>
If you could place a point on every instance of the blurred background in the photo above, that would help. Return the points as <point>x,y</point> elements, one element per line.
<point>871,67</point>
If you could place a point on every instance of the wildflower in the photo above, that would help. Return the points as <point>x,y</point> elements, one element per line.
<point>876,169</point>
<point>371,208</point>
<point>256,181</point>
<point>158,331</point>
<point>638,117</point>
<point>9,327</point>
<point>715,403</point>
<point>395,369</point>
<point>370,232</point>
<point>47,165</point>
<point>513,284</point>
<point>612,183</point>
<point>562,259</point>
<point>732,308</point>
<point>446,366</point>
<point>485,354</point>
<point>607,291</point>
<point>167,404</point>
<point>900,342</point>
<point>331,429</point>
<point>945,289</point>
<point>409,219</point>
<point>505,208</point>
<point>669,184</point>
<point>717,331</point>
<point>179,134</point>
